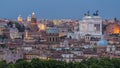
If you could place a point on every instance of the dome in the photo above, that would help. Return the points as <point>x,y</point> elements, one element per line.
<point>20,18</point>
<point>102,43</point>
<point>52,30</point>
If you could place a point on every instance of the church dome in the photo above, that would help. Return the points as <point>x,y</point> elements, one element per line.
<point>102,42</point>
<point>52,30</point>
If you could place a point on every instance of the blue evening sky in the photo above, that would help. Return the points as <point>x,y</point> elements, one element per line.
<point>58,9</point>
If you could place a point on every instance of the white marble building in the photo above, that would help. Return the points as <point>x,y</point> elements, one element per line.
<point>91,25</point>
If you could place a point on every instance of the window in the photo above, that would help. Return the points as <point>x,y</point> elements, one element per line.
<point>50,38</point>
<point>53,39</point>
<point>97,27</point>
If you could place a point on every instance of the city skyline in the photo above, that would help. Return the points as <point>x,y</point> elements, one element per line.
<point>59,9</point>
<point>67,33</point>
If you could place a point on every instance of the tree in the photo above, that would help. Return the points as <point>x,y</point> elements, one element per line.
<point>11,66</point>
<point>19,60</point>
<point>115,63</point>
<point>22,64</point>
<point>3,64</point>
<point>95,66</point>
<point>105,63</point>
<point>70,65</point>
<point>89,63</point>
<point>19,26</point>
<point>36,63</point>
<point>79,65</point>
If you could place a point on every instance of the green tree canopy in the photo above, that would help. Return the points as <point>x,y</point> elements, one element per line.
<point>19,26</point>
<point>89,63</point>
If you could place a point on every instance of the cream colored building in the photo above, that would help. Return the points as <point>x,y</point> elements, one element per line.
<point>89,25</point>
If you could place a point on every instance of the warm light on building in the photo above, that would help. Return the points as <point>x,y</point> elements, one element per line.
<point>113,28</point>
<point>1,31</point>
<point>56,22</point>
<point>20,18</point>
<point>26,35</point>
<point>43,58</point>
<point>116,30</point>
<point>41,27</point>
<point>33,15</point>
<point>60,34</point>
<point>28,18</point>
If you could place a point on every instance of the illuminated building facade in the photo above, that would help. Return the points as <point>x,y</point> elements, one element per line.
<point>113,28</point>
<point>20,18</point>
<point>41,27</point>
<point>33,23</point>
<point>90,25</point>
<point>29,18</point>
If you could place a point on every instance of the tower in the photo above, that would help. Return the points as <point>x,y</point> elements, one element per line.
<point>33,19</point>
<point>33,15</point>
<point>33,23</point>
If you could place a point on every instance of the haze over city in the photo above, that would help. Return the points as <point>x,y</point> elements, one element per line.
<point>58,9</point>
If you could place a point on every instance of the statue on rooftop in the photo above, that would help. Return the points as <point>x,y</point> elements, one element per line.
<point>87,14</point>
<point>96,13</point>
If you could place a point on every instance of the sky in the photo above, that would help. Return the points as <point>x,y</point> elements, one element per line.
<point>59,9</point>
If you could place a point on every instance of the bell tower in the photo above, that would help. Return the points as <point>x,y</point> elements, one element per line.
<point>33,23</point>
<point>33,15</point>
<point>33,19</point>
